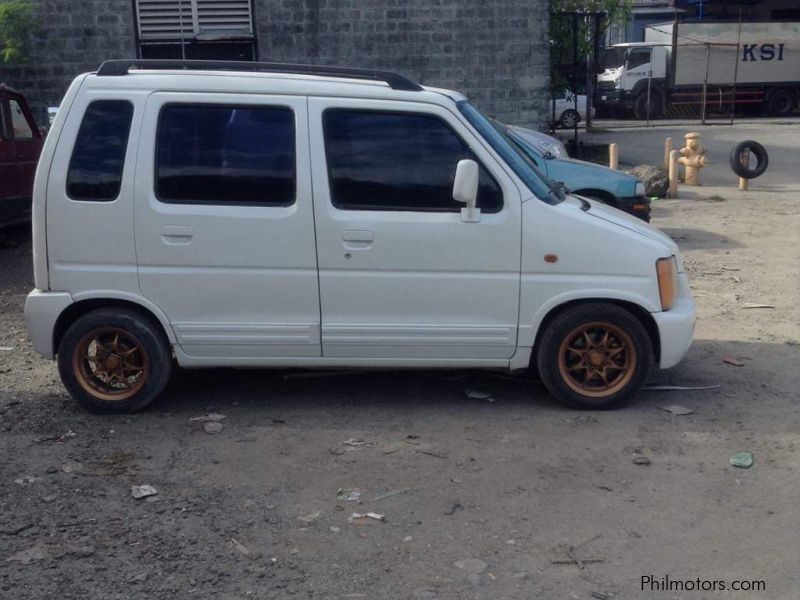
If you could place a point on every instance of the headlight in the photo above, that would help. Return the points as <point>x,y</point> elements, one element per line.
<point>639,190</point>
<point>667,270</point>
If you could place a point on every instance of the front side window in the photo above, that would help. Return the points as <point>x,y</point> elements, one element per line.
<point>214,154</point>
<point>22,129</point>
<point>98,158</point>
<point>398,161</point>
<point>639,58</point>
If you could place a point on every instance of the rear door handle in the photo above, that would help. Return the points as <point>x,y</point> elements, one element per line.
<point>176,234</point>
<point>357,239</point>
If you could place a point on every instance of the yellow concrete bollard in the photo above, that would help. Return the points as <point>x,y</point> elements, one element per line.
<point>693,158</point>
<point>613,157</point>
<point>673,174</point>
<point>667,150</point>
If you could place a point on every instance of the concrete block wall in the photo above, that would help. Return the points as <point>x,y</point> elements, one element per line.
<point>74,36</point>
<point>494,51</point>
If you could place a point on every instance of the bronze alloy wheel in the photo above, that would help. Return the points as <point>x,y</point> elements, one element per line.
<point>597,359</point>
<point>110,364</point>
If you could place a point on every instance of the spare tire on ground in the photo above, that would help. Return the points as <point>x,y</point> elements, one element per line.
<point>742,150</point>
<point>655,179</point>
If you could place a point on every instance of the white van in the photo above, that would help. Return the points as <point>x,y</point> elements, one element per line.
<point>271,215</point>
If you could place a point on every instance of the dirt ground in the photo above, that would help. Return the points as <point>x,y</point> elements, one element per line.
<point>489,496</point>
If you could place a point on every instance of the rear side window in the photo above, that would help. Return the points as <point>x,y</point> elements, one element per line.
<point>226,155</point>
<point>398,161</point>
<point>95,169</point>
<point>22,129</point>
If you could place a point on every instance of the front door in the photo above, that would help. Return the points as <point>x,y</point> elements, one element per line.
<point>224,225</point>
<point>402,275</point>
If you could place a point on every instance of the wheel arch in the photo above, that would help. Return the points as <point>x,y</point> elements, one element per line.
<point>640,313</point>
<point>85,305</point>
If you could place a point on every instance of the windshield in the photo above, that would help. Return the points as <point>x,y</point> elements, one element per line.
<point>537,182</point>
<point>613,58</point>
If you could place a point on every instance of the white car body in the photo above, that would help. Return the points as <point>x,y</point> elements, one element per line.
<point>565,102</point>
<point>310,285</point>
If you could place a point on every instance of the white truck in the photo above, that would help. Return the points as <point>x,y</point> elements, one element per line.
<point>682,65</point>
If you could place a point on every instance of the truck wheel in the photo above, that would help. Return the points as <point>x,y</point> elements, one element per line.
<point>781,103</point>
<point>569,118</point>
<point>641,108</point>
<point>114,361</point>
<point>594,356</point>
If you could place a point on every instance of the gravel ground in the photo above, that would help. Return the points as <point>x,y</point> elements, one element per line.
<point>491,499</point>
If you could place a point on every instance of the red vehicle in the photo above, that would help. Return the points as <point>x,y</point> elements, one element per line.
<point>20,145</point>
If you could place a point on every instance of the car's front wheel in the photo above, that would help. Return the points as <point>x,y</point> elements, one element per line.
<point>594,356</point>
<point>114,361</point>
<point>569,118</point>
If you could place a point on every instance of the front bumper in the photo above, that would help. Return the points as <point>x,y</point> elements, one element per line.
<point>42,310</point>
<point>638,206</point>
<point>613,98</point>
<point>676,326</point>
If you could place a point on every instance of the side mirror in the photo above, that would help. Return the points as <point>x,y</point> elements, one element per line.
<point>465,190</point>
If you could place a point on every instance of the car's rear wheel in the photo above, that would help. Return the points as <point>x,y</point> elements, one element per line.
<point>114,361</point>
<point>594,356</point>
<point>569,118</point>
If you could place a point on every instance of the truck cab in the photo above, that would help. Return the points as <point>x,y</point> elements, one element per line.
<point>633,78</point>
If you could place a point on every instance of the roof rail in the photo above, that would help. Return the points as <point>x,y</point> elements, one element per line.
<point>121,67</point>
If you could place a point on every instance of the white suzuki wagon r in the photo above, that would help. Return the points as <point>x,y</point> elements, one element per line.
<point>273,215</point>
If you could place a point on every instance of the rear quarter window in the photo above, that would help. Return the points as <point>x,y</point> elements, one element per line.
<point>98,158</point>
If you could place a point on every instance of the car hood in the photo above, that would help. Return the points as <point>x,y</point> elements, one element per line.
<point>631,223</point>
<point>591,168</point>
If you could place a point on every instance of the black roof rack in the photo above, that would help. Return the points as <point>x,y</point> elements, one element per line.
<point>121,67</point>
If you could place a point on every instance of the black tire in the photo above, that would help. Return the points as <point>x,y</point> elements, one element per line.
<point>781,103</point>
<point>128,347</point>
<point>758,151</point>
<point>627,356</point>
<point>640,106</point>
<point>569,118</point>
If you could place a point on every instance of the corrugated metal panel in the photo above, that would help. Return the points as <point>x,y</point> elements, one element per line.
<point>175,19</point>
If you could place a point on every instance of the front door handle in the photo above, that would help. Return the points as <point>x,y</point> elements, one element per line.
<point>357,239</point>
<point>176,234</point>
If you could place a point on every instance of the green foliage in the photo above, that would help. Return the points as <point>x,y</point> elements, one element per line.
<point>18,19</point>
<point>616,13</point>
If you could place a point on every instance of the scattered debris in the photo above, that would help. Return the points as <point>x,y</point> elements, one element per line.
<point>26,479</point>
<point>607,488</point>
<point>475,566</point>
<point>244,550</point>
<point>143,491</point>
<point>334,529</point>
<point>641,460</point>
<point>310,518</point>
<point>732,361</point>
<point>71,467</point>
<point>756,305</point>
<point>212,427</point>
<point>391,494</point>
<point>653,388</point>
<point>676,409</point>
<point>479,395</point>
<point>210,417</point>
<point>363,518</point>
<point>455,507</point>
<point>356,443</point>
<point>431,452</point>
<point>349,495</point>
<point>742,460</point>
<point>730,268</point>
<point>600,595</point>
<point>6,348</point>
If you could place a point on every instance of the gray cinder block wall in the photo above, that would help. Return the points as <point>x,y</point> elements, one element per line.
<point>74,36</point>
<point>495,51</point>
